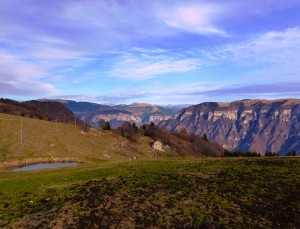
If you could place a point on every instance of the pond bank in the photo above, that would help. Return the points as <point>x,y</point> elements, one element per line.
<point>7,165</point>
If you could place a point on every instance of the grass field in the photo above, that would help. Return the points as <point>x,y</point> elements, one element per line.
<point>165,193</point>
<point>49,139</point>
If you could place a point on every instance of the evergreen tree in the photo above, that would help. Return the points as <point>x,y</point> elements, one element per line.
<point>205,138</point>
<point>291,153</point>
<point>107,126</point>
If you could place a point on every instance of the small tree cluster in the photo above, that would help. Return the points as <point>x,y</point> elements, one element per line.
<point>271,154</point>
<point>104,125</point>
<point>228,153</point>
<point>291,153</point>
<point>129,131</point>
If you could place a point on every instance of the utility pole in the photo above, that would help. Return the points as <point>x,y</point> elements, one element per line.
<point>56,127</point>
<point>21,132</point>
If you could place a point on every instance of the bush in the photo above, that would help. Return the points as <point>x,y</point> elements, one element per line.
<point>131,132</point>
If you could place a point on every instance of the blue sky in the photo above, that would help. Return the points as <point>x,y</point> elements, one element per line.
<point>161,52</point>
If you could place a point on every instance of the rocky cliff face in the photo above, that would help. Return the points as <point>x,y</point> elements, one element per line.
<point>114,117</point>
<point>255,125</point>
<point>138,113</point>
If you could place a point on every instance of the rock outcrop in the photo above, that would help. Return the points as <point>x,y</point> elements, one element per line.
<point>248,125</point>
<point>116,115</point>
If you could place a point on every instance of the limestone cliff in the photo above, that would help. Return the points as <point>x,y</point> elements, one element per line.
<point>256,125</point>
<point>116,115</point>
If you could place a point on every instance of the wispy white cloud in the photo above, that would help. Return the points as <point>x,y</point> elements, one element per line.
<point>273,55</point>
<point>195,18</point>
<point>56,54</point>
<point>271,89</point>
<point>115,98</point>
<point>270,47</point>
<point>142,66</point>
<point>18,77</point>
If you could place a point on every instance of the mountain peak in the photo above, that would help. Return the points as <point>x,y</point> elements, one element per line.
<point>142,105</point>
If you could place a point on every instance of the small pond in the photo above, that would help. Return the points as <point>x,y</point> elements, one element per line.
<point>44,166</point>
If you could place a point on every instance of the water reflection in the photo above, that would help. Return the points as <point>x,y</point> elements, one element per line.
<point>44,166</point>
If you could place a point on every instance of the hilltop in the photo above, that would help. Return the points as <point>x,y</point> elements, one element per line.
<point>45,110</point>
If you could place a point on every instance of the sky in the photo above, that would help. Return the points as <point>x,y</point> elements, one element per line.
<point>160,52</point>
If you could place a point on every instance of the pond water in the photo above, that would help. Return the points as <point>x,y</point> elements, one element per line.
<point>45,166</point>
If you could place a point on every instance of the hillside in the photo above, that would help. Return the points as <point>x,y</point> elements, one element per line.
<point>50,139</point>
<point>248,125</point>
<point>45,110</point>
<point>23,137</point>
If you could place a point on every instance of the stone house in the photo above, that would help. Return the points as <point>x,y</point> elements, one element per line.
<point>158,145</point>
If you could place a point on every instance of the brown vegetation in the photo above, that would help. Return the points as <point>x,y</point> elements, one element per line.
<point>183,143</point>
<point>50,111</point>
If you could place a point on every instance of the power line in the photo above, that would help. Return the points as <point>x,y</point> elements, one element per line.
<point>60,119</point>
<point>9,119</point>
<point>21,124</point>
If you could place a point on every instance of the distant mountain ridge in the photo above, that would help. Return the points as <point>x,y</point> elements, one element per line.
<point>248,125</point>
<point>139,113</point>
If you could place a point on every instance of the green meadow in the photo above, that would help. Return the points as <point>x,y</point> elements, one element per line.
<point>128,185</point>
<point>178,192</point>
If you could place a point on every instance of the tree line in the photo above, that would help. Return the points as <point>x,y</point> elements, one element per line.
<point>228,153</point>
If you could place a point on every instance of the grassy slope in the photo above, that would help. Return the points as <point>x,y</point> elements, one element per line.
<point>47,139</point>
<point>253,193</point>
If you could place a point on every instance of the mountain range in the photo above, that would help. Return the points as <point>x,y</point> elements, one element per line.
<point>247,125</point>
<point>116,115</point>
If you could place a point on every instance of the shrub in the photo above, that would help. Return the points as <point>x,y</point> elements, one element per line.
<point>129,131</point>
<point>106,126</point>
